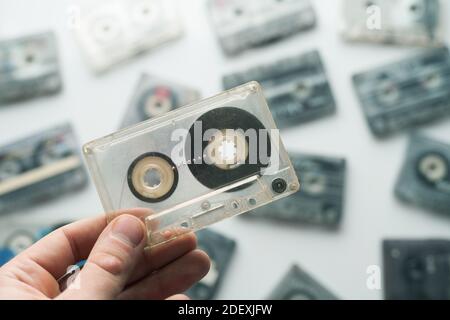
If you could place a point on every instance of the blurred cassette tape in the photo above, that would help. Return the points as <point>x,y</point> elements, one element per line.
<point>416,269</point>
<point>196,165</point>
<point>407,93</point>
<point>112,31</point>
<point>425,177</point>
<point>244,24</point>
<point>298,285</point>
<point>29,67</point>
<point>220,250</point>
<point>296,88</point>
<point>40,167</point>
<point>155,97</point>
<point>321,198</point>
<point>404,22</point>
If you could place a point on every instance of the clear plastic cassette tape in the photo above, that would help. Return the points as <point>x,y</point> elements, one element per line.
<point>154,97</point>
<point>243,24</point>
<point>29,67</point>
<point>196,165</point>
<point>404,22</point>
<point>406,94</point>
<point>40,167</point>
<point>297,88</point>
<point>112,31</point>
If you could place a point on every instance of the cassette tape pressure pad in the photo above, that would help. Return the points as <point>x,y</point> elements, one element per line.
<point>196,165</point>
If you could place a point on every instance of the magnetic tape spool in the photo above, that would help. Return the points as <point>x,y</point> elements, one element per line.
<point>19,241</point>
<point>156,102</point>
<point>432,168</point>
<point>51,150</point>
<point>10,166</point>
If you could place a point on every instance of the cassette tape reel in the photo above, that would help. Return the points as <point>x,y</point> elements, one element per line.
<point>220,250</point>
<point>243,24</point>
<point>321,200</point>
<point>155,97</point>
<point>29,68</point>
<point>296,88</point>
<point>407,93</point>
<point>196,165</point>
<point>403,22</point>
<point>40,167</point>
<point>298,285</point>
<point>112,31</point>
<point>425,177</point>
<point>416,269</point>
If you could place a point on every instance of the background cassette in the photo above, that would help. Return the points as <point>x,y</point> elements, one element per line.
<point>296,88</point>
<point>154,97</point>
<point>404,22</point>
<point>40,167</point>
<point>29,67</point>
<point>220,249</point>
<point>416,269</point>
<point>320,200</point>
<point>298,285</point>
<point>243,24</point>
<point>410,92</point>
<point>425,177</point>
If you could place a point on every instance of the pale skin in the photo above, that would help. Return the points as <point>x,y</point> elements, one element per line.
<point>117,265</point>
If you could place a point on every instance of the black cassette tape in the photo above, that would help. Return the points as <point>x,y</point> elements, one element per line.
<point>243,24</point>
<point>411,92</point>
<point>321,198</point>
<point>403,22</point>
<point>29,67</point>
<point>416,269</point>
<point>296,88</point>
<point>299,285</point>
<point>425,177</point>
<point>220,250</point>
<point>155,97</point>
<point>40,167</point>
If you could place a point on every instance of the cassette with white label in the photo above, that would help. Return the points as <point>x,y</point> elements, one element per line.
<point>406,94</point>
<point>112,31</point>
<point>425,177</point>
<point>196,165</point>
<point>243,24</point>
<point>40,167</point>
<point>154,97</point>
<point>220,250</point>
<point>29,67</point>
<point>403,22</point>
<point>296,88</point>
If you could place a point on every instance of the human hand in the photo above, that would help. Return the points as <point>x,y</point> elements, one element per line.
<point>117,265</point>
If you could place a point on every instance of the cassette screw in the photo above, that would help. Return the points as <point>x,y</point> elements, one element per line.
<point>206,205</point>
<point>293,186</point>
<point>279,185</point>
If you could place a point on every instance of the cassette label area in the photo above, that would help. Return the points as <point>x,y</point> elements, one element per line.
<point>425,177</point>
<point>112,31</point>
<point>405,94</point>
<point>29,68</point>
<point>297,88</point>
<point>243,24</point>
<point>40,167</point>
<point>196,165</point>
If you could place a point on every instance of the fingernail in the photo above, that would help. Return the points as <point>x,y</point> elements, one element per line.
<point>128,229</point>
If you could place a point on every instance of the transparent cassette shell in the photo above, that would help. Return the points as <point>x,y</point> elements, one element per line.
<point>192,205</point>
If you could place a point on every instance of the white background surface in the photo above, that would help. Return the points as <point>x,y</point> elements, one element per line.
<point>95,106</point>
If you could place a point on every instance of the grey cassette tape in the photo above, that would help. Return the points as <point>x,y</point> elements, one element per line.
<point>29,67</point>
<point>296,88</point>
<point>298,285</point>
<point>40,167</point>
<point>112,31</point>
<point>425,177</point>
<point>243,24</point>
<point>155,97</point>
<point>416,269</point>
<point>407,93</point>
<point>404,22</point>
<point>196,165</point>
<point>321,200</point>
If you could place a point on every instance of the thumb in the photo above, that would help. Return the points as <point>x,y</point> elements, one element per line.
<point>111,261</point>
